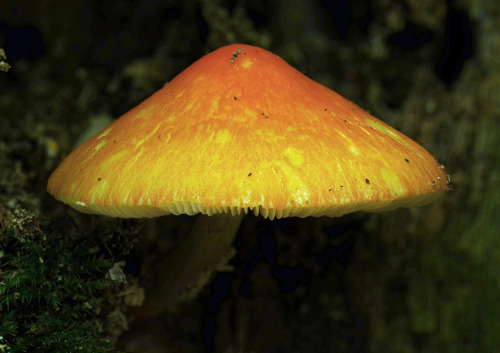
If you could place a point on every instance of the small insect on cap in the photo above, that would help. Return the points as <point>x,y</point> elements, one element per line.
<point>241,130</point>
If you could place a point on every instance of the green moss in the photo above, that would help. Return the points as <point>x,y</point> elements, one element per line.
<point>52,287</point>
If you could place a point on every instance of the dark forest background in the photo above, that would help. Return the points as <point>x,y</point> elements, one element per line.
<point>410,280</point>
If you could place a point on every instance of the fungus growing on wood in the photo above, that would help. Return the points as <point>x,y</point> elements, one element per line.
<point>242,131</point>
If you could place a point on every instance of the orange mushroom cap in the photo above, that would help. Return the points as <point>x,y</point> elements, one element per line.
<point>242,130</point>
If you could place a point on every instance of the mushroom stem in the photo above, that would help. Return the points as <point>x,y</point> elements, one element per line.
<point>182,274</point>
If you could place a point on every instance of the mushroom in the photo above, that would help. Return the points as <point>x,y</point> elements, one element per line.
<point>242,131</point>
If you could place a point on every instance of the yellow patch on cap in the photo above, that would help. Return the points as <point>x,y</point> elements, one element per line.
<point>294,156</point>
<point>222,136</point>
<point>386,131</point>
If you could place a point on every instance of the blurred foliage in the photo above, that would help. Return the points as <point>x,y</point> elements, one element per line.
<point>420,280</point>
